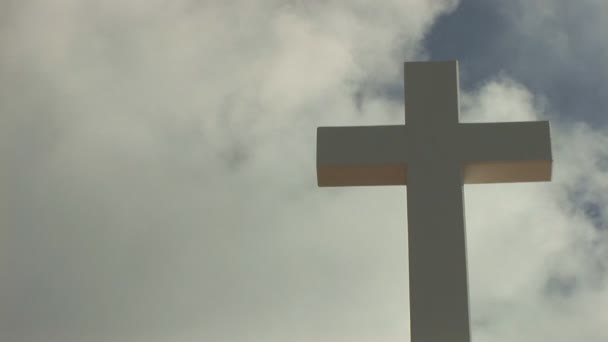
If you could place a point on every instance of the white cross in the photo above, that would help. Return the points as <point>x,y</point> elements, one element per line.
<point>434,155</point>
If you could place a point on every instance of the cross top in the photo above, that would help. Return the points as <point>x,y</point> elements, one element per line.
<point>434,155</point>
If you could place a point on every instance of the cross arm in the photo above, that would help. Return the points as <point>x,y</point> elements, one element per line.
<point>506,152</point>
<point>366,155</point>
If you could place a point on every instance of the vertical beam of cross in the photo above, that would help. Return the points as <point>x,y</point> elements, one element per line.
<point>434,155</point>
<point>439,307</point>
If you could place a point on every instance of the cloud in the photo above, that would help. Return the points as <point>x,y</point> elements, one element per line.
<point>536,256</point>
<point>159,161</point>
<point>542,44</point>
<point>159,158</point>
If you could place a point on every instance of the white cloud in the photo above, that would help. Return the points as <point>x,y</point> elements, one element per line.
<point>153,150</point>
<point>161,165</point>
<point>537,260</point>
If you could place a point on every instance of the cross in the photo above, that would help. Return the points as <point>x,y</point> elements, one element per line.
<point>434,155</point>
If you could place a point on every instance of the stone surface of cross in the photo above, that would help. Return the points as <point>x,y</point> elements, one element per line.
<point>434,155</point>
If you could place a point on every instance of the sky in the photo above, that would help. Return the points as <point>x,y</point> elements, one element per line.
<point>158,168</point>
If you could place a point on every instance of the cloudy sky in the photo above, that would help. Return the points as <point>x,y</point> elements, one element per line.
<point>158,176</point>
